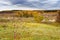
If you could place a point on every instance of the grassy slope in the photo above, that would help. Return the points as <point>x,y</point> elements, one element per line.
<point>29,31</point>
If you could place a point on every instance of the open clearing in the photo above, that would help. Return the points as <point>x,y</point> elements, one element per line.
<point>28,31</point>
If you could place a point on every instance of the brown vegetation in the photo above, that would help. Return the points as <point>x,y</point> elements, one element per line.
<point>36,14</point>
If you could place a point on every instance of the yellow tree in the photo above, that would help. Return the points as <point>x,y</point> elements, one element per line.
<point>37,16</point>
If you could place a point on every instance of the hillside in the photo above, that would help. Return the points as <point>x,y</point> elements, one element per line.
<point>47,14</point>
<point>18,30</point>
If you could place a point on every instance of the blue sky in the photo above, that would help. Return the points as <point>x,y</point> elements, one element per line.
<point>29,4</point>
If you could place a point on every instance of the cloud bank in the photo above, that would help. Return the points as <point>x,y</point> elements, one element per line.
<point>29,4</point>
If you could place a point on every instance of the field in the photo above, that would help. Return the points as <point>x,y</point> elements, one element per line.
<point>17,30</point>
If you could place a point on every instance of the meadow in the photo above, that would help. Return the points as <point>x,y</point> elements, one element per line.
<point>18,30</point>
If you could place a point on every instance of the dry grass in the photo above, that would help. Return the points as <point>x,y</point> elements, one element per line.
<point>28,31</point>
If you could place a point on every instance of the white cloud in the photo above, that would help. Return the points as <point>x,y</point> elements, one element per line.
<point>48,4</point>
<point>50,1</point>
<point>5,2</point>
<point>45,1</point>
<point>32,0</point>
<point>9,5</point>
<point>14,7</point>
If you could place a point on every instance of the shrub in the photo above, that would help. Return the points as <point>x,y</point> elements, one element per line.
<point>37,17</point>
<point>4,20</point>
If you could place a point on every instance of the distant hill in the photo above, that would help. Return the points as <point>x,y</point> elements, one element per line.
<point>47,14</point>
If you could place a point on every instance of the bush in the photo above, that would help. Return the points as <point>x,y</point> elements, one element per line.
<point>4,20</point>
<point>38,19</point>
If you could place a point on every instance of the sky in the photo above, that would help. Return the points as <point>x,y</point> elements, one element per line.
<point>29,4</point>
